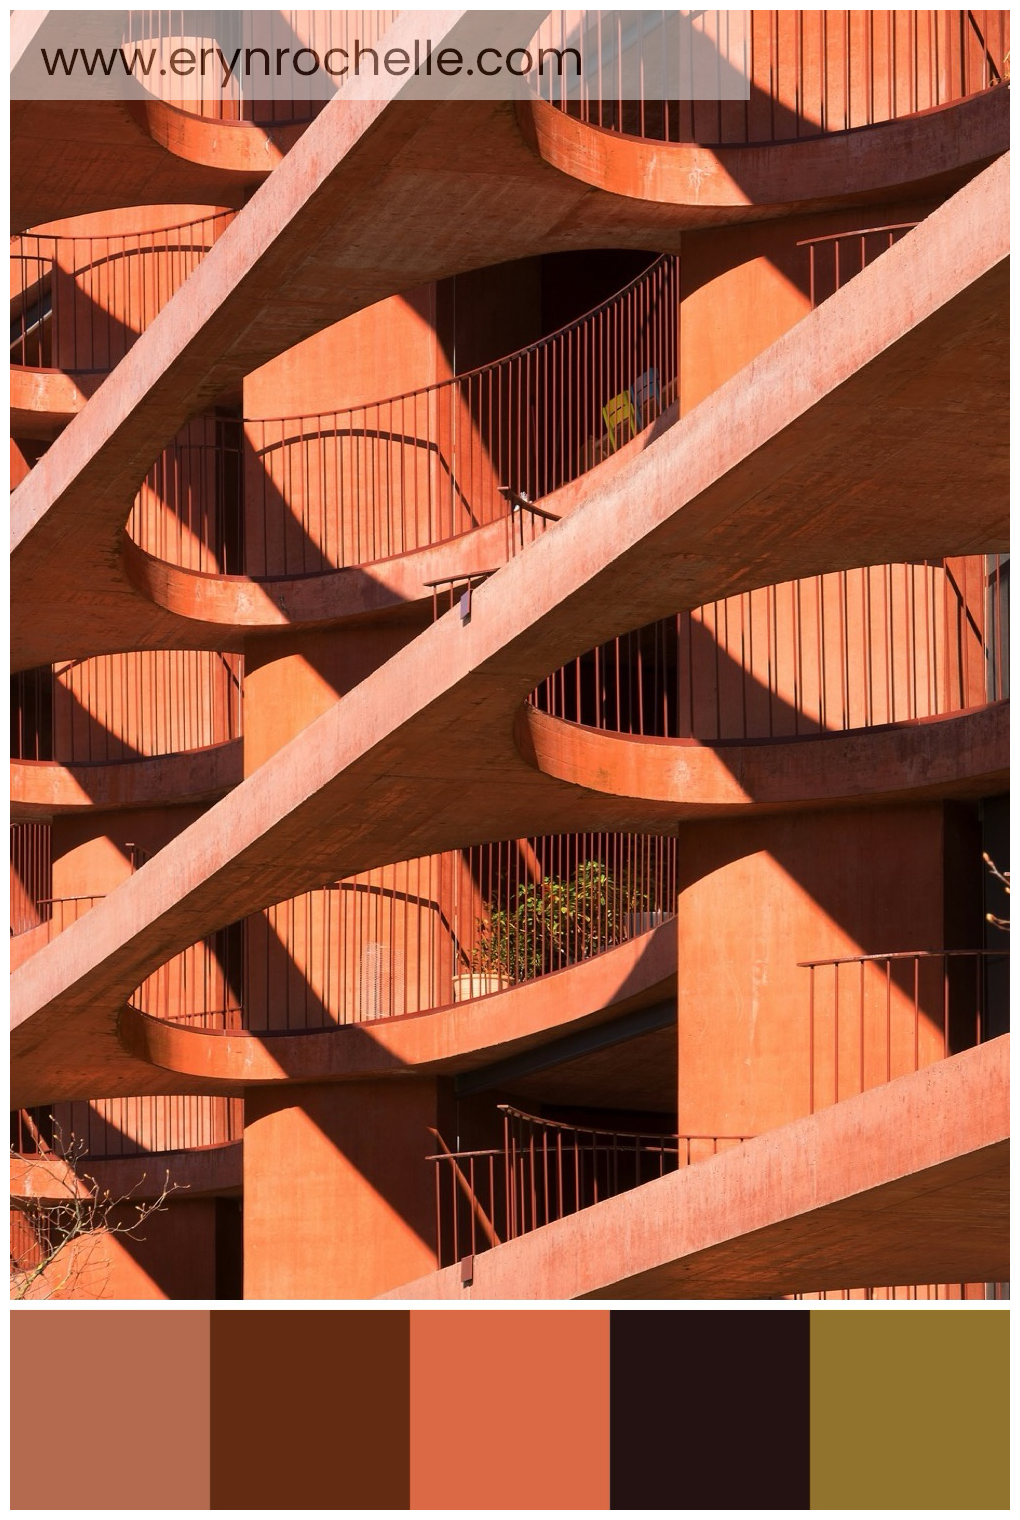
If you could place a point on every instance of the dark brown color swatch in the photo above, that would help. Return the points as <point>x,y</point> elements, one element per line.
<point>310,1409</point>
<point>709,1409</point>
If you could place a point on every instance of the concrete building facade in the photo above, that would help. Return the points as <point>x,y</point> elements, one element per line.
<point>510,632</point>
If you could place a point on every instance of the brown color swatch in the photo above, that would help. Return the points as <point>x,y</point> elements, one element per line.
<point>310,1409</point>
<point>509,1409</point>
<point>109,1409</point>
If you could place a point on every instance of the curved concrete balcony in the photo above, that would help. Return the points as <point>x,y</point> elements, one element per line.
<point>247,524</point>
<point>856,649</point>
<point>809,74</point>
<point>79,301</point>
<point>855,684</point>
<point>924,154</point>
<point>131,730</point>
<point>291,498</point>
<point>517,1023</point>
<point>44,788</point>
<point>422,935</point>
<point>193,1140</point>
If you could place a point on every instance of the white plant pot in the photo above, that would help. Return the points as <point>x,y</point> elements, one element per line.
<point>476,984</point>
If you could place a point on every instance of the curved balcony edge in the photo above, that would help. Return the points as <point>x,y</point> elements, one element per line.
<point>202,1170</point>
<point>40,788</point>
<point>242,603</point>
<point>446,1040</point>
<point>961,754</point>
<point>234,147</point>
<point>730,183</point>
<point>45,400</point>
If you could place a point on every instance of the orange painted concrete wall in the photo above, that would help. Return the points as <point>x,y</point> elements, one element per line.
<point>290,681</point>
<point>761,896</point>
<point>91,854</point>
<point>339,473</point>
<point>339,1199</point>
<point>317,486</point>
<point>386,349</point>
<point>742,287</point>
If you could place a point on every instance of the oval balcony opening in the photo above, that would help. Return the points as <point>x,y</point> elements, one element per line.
<point>854,649</point>
<point>299,496</point>
<point>420,935</point>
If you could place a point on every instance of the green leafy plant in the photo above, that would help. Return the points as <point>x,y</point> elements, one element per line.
<point>550,924</point>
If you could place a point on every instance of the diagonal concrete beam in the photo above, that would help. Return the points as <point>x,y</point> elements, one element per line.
<point>906,1183</point>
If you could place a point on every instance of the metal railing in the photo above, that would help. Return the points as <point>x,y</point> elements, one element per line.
<point>850,650</point>
<point>78,303</point>
<point>118,707</point>
<point>110,1127</point>
<point>910,1292</point>
<point>56,913</point>
<point>811,72</point>
<point>190,511</point>
<point>872,1018</point>
<point>203,94</point>
<point>545,1171</point>
<point>317,493</point>
<point>31,875</point>
<point>421,934</point>
<point>838,256</point>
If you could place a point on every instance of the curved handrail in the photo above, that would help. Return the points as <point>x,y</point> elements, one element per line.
<point>811,74</point>
<point>79,301</point>
<point>117,708</point>
<point>300,496</point>
<point>105,1129</point>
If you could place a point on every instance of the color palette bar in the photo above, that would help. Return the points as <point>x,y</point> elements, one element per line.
<point>510,1409</point>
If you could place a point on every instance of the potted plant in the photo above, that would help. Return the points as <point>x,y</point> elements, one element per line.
<point>550,924</point>
<point>491,959</point>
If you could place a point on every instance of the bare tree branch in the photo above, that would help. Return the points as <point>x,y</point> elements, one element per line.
<point>1003,877</point>
<point>60,1215</point>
